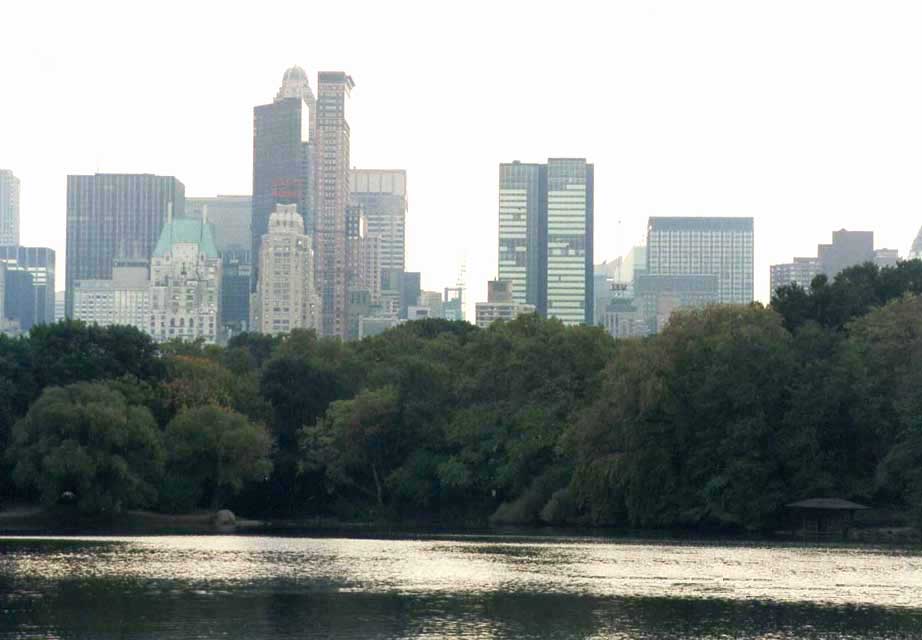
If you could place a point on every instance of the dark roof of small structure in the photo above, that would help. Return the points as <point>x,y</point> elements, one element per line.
<point>826,503</point>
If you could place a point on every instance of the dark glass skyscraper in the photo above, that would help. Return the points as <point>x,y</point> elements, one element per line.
<point>29,284</point>
<point>523,232</point>
<point>282,173</point>
<point>113,216</point>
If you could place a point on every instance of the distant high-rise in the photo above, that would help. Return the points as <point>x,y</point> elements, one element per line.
<point>230,218</point>
<point>9,208</point>
<point>286,297</point>
<point>915,253</point>
<point>33,268</point>
<point>113,216</point>
<point>720,247</point>
<point>848,248</point>
<point>546,235</point>
<point>801,272</point>
<point>382,194</point>
<point>523,231</point>
<point>185,283</point>
<point>123,300</point>
<point>282,156</point>
<point>332,194</point>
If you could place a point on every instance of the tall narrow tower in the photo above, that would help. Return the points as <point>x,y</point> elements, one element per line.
<point>9,209</point>
<point>331,180</point>
<point>282,173</point>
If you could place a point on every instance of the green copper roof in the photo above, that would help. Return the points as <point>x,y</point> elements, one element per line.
<point>187,230</point>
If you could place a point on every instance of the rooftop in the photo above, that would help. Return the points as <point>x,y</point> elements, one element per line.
<point>827,504</point>
<point>186,230</point>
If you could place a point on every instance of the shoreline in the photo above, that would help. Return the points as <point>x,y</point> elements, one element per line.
<point>38,521</point>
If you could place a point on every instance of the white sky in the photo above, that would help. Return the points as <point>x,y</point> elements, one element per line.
<point>804,114</point>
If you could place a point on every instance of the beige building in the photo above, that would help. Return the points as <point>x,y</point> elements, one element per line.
<point>185,283</point>
<point>123,300</point>
<point>500,304</point>
<point>286,296</point>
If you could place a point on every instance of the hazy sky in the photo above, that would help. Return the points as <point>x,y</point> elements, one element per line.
<point>806,114</point>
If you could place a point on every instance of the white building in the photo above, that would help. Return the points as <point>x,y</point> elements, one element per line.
<point>500,304</point>
<point>185,283</point>
<point>9,208</point>
<point>123,300</point>
<point>286,297</point>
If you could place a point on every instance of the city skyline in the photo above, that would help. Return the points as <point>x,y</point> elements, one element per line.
<point>706,134</point>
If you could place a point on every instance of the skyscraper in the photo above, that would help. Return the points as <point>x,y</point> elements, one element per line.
<point>9,208</point>
<point>113,216</point>
<point>185,283</point>
<point>286,297</point>
<point>523,232</point>
<point>545,236</point>
<point>720,247</point>
<point>38,265</point>
<point>282,156</point>
<point>382,194</point>
<point>332,192</point>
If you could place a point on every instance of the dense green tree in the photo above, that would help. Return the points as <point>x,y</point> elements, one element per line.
<point>87,439</point>
<point>211,453</point>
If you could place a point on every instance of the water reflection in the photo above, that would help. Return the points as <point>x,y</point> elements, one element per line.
<point>262,587</point>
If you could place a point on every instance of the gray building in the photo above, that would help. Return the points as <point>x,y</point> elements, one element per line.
<point>886,257</point>
<point>37,266</point>
<point>915,253</point>
<point>113,216</point>
<point>848,248</point>
<point>801,272</point>
<point>693,246</point>
<point>282,157</point>
<point>9,208</point>
<point>382,195</point>
<point>658,296</point>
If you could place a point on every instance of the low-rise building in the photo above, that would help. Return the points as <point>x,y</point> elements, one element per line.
<point>123,300</point>
<point>500,304</point>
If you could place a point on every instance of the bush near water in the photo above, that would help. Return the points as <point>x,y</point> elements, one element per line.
<point>727,415</point>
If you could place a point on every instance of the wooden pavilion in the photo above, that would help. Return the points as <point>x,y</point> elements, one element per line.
<point>824,517</point>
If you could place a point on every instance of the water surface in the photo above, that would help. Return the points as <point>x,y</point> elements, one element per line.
<point>456,586</point>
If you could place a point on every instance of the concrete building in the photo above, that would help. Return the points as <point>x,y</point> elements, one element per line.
<point>720,247</point>
<point>915,253</point>
<point>848,248</point>
<point>286,296</point>
<point>382,195</point>
<point>376,325</point>
<point>432,300</point>
<point>185,283</point>
<point>658,296</point>
<point>500,304</point>
<point>332,197</point>
<point>37,264</point>
<point>801,272</point>
<point>623,319</point>
<point>9,208</point>
<point>113,216</point>
<point>59,306</point>
<point>122,300</point>
<point>283,171</point>
<point>453,304</point>
<point>886,257</point>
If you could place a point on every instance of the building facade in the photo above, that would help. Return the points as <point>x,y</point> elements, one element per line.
<point>848,249</point>
<point>332,197</point>
<point>113,216</point>
<point>39,264</point>
<point>720,247</point>
<point>185,283</point>
<point>523,231</point>
<point>282,156</point>
<point>382,195</point>
<point>801,272</point>
<point>657,297</point>
<point>122,300</point>
<point>9,208</point>
<point>286,296</point>
<point>500,304</point>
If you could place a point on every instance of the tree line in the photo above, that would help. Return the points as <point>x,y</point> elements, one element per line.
<point>719,421</point>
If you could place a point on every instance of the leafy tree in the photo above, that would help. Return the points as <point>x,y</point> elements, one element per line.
<point>358,443</point>
<point>87,439</point>
<point>212,452</point>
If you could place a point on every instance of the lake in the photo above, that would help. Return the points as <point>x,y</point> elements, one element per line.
<point>452,587</point>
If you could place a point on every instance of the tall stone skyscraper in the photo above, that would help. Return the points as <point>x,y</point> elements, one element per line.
<point>9,209</point>
<point>282,157</point>
<point>546,235</point>
<point>331,177</point>
<point>285,297</point>
<point>382,194</point>
<point>113,216</point>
